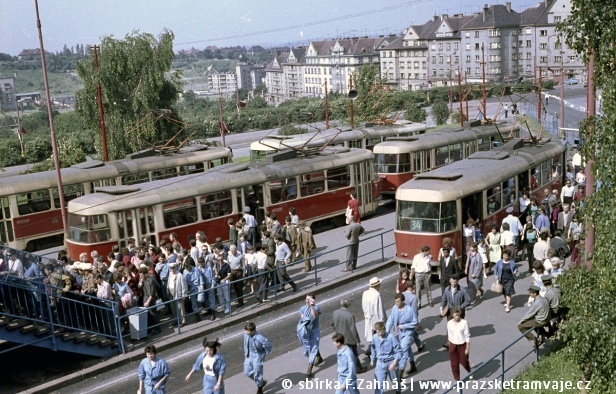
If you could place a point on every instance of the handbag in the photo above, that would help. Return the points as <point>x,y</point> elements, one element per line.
<point>497,287</point>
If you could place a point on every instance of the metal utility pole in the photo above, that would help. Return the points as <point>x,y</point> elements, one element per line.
<point>19,134</point>
<point>562,91</point>
<point>539,95</point>
<point>54,144</point>
<point>589,244</point>
<point>237,97</point>
<point>352,115</point>
<point>99,101</point>
<point>220,120</point>
<point>326,108</point>
<point>483,83</point>
<point>462,117</point>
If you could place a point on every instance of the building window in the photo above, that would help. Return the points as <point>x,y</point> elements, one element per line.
<point>556,19</point>
<point>440,47</point>
<point>495,45</point>
<point>543,33</point>
<point>468,58</point>
<point>514,32</point>
<point>456,46</point>
<point>433,59</point>
<point>468,70</point>
<point>448,47</point>
<point>476,58</point>
<point>528,44</point>
<point>416,64</point>
<point>529,30</point>
<point>423,64</point>
<point>495,58</point>
<point>477,46</point>
<point>467,34</point>
<point>468,47</point>
<point>476,34</point>
<point>440,60</point>
<point>456,60</point>
<point>514,44</point>
<point>543,45</point>
<point>494,33</point>
<point>477,71</point>
<point>558,59</point>
<point>528,56</point>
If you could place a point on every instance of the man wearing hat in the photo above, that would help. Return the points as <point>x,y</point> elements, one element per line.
<point>373,308</point>
<point>537,316</point>
<point>251,226</point>
<point>515,226</point>
<point>552,294</point>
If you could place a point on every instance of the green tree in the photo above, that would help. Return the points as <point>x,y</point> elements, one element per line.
<point>414,113</point>
<point>138,93</point>
<point>440,111</point>
<point>374,99</point>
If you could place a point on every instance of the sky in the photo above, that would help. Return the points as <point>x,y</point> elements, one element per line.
<point>199,23</point>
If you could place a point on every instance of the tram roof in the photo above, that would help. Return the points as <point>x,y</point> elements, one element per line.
<point>440,138</point>
<point>225,177</point>
<point>480,171</point>
<point>84,172</point>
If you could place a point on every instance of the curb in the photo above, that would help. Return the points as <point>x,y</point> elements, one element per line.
<point>198,330</point>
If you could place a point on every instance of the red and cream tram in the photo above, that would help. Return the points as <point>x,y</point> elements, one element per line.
<point>30,217</point>
<point>364,138</point>
<point>398,159</point>
<point>317,185</point>
<point>434,205</point>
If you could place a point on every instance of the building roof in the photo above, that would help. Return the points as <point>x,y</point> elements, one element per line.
<point>494,16</point>
<point>537,15</point>
<point>31,52</point>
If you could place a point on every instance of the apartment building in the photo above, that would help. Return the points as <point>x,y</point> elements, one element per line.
<point>284,76</point>
<point>224,84</point>
<point>8,100</point>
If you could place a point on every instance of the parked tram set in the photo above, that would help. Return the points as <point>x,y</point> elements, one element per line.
<point>364,138</point>
<point>434,205</point>
<point>397,160</point>
<point>30,215</point>
<point>317,185</point>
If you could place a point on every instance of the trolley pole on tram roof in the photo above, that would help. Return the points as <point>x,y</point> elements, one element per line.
<point>54,143</point>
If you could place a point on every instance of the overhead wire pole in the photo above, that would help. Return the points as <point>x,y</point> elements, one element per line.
<point>462,117</point>
<point>326,108</point>
<point>99,101</point>
<point>483,83</point>
<point>351,102</point>
<point>54,143</point>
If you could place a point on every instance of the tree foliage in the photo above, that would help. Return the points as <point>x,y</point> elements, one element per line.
<point>138,96</point>
<point>589,293</point>
<point>440,111</point>
<point>414,113</point>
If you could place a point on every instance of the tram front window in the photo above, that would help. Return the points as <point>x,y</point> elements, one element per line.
<point>392,163</point>
<point>88,229</point>
<point>426,217</point>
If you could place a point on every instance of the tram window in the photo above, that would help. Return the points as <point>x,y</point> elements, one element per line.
<point>90,229</point>
<point>455,152</point>
<point>313,183</point>
<point>494,199</point>
<point>32,202</point>
<point>338,178</point>
<point>215,205</point>
<point>355,144</point>
<point>546,167</point>
<point>523,182</point>
<point>416,159</point>
<point>102,183</point>
<point>441,156</point>
<point>483,144</point>
<point>283,190</point>
<point>5,211</point>
<point>448,216</point>
<point>71,192</point>
<point>164,174</point>
<point>6,232</point>
<point>384,163</point>
<point>193,168</point>
<point>418,216</point>
<point>370,142</point>
<point>508,188</point>
<point>179,213</point>
<point>135,178</point>
<point>404,162</point>
<point>125,224</point>
<point>146,220</point>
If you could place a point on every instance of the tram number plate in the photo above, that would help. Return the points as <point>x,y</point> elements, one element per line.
<point>416,224</point>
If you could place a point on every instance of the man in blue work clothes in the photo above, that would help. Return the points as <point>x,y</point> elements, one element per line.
<point>386,353</point>
<point>347,372</point>
<point>256,347</point>
<point>402,322</point>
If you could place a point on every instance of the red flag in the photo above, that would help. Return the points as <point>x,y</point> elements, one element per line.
<point>22,131</point>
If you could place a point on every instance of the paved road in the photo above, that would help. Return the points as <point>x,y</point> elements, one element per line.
<point>491,329</point>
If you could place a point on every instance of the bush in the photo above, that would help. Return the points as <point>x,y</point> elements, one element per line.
<point>415,114</point>
<point>291,130</point>
<point>440,111</point>
<point>553,367</point>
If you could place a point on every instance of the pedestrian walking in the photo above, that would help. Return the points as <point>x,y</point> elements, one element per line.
<point>308,332</point>
<point>410,299</point>
<point>459,337</point>
<point>353,209</point>
<point>283,257</point>
<point>153,373</point>
<point>306,244</point>
<point>402,322</point>
<point>421,269</point>
<point>214,368</point>
<point>386,354</point>
<point>347,369</point>
<point>505,272</point>
<point>455,296</point>
<point>374,311</point>
<point>256,347</point>
<point>344,324</point>
<point>474,279</point>
<point>352,233</point>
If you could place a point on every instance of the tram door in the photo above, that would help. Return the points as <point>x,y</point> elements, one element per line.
<point>146,224</point>
<point>6,225</point>
<point>125,227</point>
<point>363,185</point>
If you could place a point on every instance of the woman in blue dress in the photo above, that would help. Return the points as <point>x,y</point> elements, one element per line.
<point>505,271</point>
<point>308,332</point>
<point>214,367</point>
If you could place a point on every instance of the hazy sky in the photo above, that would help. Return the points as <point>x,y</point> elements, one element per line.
<point>221,23</point>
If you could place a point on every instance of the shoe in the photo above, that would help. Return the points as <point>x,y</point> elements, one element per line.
<point>413,368</point>
<point>345,270</point>
<point>473,302</point>
<point>309,371</point>
<point>368,352</point>
<point>227,311</point>
<point>507,309</point>
<point>197,319</point>
<point>318,360</point>
<point>482,292</point>
<point>259,300</point>
<point>182,324</point>
<point>240,304</point>
<point>213,317</point>
<point>431,304</point>
<point>294,287</point>
<point>421,348</point>
<point>281,289</point>
<point>446,346</point>
<point>485,276</point>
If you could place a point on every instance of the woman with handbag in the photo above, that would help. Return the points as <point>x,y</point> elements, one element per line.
<point>505,272</point>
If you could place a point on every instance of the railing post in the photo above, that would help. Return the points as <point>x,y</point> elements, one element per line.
<point>316,276</point>
<point>502,367</point>
<point>382,248</point>
<point>275,273</point>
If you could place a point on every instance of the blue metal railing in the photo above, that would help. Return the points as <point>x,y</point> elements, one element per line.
<point>459,387</point>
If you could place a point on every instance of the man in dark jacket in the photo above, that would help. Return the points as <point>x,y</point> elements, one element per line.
<point>455,296</point>
<point>344,323</point>
<point>449,267</point>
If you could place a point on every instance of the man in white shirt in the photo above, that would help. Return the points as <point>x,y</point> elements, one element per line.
<point>567,192</point>
<point>421,270</point>
<point>15,266</point>
<point>515,226</point>
<point>576,161</point>
<point>373,308</point>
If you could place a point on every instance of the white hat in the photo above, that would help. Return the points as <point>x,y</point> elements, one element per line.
<point>173,265</point>
<point>247,209</point>
<point>375,282</point>
<point>85,266</point>
<point>509,210</point>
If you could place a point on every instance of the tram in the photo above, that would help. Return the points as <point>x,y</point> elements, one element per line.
<point>30,216</point>
<point>316,184</point>
<point>435,204</point>
<point>397,159</point>
<point>364,138</point>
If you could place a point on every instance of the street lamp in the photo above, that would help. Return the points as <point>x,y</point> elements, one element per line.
<point>220,121</point>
